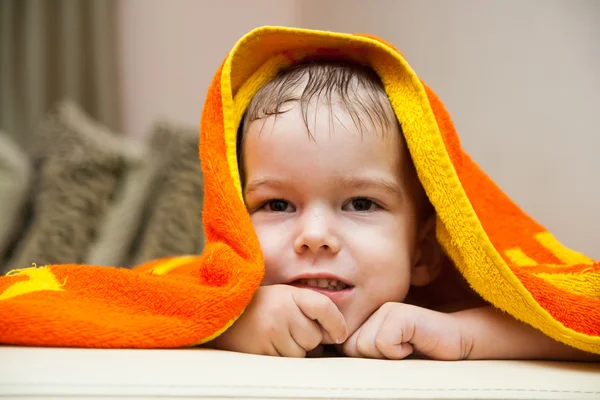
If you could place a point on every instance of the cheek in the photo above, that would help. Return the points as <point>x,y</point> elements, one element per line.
<point>385,263</point>
<point>385,248</point>
<point>387,280</point>
<point>272,243</point>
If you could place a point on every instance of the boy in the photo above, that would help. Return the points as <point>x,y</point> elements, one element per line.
<point>347,231</point>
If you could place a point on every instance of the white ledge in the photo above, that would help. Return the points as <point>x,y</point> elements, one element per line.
<point>43,373</point>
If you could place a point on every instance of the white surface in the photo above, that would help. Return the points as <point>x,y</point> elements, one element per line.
<point>32,373</point>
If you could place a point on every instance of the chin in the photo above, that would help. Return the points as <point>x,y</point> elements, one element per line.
<point>354,321</point>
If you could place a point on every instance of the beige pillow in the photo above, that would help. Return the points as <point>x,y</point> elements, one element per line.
<point>117,232</point>
<point>173,217</point>
<point>15,179</point>
<point>78,165</point>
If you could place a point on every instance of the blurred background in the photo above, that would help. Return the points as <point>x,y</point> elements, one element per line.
<point>119,85</point>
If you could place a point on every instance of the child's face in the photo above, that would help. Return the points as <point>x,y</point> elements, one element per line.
<point>332,209</point>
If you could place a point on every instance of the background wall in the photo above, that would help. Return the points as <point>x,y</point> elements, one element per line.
<point>518,77</point>
<point>170,51</point>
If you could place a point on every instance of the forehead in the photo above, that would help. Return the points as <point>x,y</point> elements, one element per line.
<point>328,142</point>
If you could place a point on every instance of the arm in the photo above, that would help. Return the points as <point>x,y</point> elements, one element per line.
<point>490,334</point>
<point>397,330</point>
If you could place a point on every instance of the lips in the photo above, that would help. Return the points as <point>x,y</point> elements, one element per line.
<point>322,283</point>
<point>337,289</point>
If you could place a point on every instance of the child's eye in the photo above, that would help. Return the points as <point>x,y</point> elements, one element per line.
<point>361,204</point>
<point>278,206</point>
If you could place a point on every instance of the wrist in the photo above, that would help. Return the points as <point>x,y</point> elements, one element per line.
<point>466,336</point>
<point>493,334</point>
<point>487,333</point>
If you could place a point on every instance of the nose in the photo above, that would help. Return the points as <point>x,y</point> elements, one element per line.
<point>317,233</point>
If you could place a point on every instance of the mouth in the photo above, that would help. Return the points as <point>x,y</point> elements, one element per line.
<point>332,286</point>
<point>321,283</point>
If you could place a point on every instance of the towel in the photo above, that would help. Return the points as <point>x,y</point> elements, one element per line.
<point>504,255</point>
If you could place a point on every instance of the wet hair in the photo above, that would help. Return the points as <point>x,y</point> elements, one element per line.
<point>356,88</point>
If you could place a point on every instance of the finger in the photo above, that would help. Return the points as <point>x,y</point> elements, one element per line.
<point>286,345</point>
<point>305,332</point>
<point>320,308</point>
<point>393,336</point>
<point>349,346</point>
<point>397,351</point>
<point>354,345</point>
<point>365,341</point>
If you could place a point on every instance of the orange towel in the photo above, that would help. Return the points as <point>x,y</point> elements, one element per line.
<point>508,258</point>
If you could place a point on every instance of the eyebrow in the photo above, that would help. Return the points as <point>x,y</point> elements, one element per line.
<point>379,183</point>
<point>257,184</point>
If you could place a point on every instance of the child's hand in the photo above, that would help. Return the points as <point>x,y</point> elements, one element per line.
<point>396,330</point>
<point>286,321</point>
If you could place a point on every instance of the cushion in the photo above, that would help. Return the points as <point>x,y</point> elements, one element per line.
<point>173,217</point>
<point>77,166</point>
<point>15,179</point>
<point>118,229</point>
